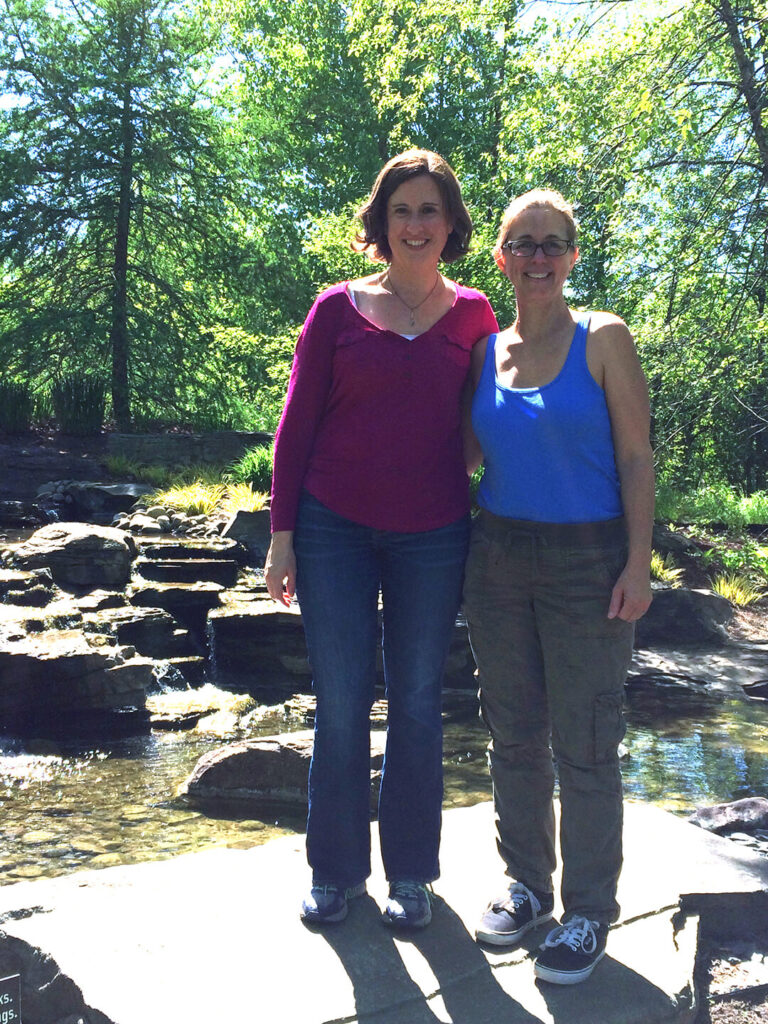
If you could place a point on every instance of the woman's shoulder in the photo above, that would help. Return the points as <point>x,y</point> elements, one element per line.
<point>329,300</point>
<point>603,323</point>
<point>463,291</point>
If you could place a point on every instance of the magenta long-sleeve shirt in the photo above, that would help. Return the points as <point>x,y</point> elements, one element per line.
<point>372,421</point>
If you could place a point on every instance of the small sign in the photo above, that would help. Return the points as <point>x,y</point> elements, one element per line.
<point>10,999</point>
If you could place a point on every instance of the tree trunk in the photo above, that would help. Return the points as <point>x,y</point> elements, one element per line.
<point>118,335</point>
<point>748,85</point>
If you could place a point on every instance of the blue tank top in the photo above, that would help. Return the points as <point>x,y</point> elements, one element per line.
<point>548,451</point>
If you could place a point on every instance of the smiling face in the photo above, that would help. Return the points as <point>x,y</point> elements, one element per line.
<point>418,225</point>
<point>538,274</point>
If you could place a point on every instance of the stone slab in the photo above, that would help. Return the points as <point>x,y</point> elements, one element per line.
<point>215,936</point>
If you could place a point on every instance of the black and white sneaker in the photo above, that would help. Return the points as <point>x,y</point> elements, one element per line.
<point>508,918</point>
<point>571,952</point>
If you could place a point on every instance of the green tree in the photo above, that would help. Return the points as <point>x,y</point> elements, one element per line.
<point>117,185</point>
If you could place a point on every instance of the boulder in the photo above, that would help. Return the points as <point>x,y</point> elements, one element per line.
<point>183,709</point>
<point>88,499</point>
<point>747,815</point>
<point>256,642</point>
<point>679,618</point>
<point>22,514</point>
<point>272,769</point>
<point>252,530</point>
<point>727,671</point>
<point>188,603</point>
<point>56,674</point>
<point>188,570</point>
<point>208,547</point>
<point>152,631</point>
<point>33,588</point>
<point>757,689</point>
<point>79,555</point>
<point>47,995</point>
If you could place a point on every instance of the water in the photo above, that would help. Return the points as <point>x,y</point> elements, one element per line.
<point>66,806</point>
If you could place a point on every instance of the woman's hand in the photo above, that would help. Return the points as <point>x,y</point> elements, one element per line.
<point>631,594</point>
<point>280,568</point>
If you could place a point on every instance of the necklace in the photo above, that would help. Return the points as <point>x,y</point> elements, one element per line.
<point>396,293</point>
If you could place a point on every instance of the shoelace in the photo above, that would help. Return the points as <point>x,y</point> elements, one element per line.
<point>412,891</point>
<point>577,933</point>
<point>515,898</point>
<point>328,889</point>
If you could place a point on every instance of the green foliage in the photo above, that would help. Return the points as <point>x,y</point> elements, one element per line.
<point>78,403</point>
<point>711,504</point>
<point>179,180</point>
<point>739,590</point>
<point>739,555</point>
<point>197,498</point>
<point>242,498</point>
<point>254,468</point>
<point>16,405</point>
<point>665,570</point>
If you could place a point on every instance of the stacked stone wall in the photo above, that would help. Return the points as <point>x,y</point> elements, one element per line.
<point>186,449</point>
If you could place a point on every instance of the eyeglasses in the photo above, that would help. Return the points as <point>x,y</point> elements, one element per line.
<point>527,247</point>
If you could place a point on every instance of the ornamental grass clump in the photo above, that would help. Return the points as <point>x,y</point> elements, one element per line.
<point>15,406</point>
<point>738,589</point>
<point>665,570</point>
<point>78,403</point>
<point>194,499</point>
<point>242,498</point>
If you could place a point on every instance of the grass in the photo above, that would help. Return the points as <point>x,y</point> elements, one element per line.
<point>243,498</point>
<point>738,589</point>
<point>711,504</point>
<point>196,499</point>
<point>202,497</point>
<point>665,570</point>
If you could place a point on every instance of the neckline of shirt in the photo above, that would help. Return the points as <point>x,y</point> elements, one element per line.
<point>387,330</point>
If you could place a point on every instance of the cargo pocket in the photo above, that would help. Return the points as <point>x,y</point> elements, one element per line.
<point>609,726</point>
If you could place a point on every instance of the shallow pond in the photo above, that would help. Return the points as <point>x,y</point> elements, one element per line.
<point>68,806</point>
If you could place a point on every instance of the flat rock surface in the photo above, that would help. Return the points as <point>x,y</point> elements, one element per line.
<point>215,936</point>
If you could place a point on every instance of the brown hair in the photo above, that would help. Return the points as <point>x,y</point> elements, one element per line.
<point>401,168</point>
<point>538,197</point>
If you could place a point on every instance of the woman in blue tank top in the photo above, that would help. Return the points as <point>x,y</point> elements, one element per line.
<point>558,572</point>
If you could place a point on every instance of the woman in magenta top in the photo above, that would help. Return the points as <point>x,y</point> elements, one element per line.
<point>370,497</point>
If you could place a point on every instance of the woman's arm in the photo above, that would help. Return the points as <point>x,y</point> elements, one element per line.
<point>305,404</point>
<point>626,394</point>
<point>473,455</point>
<point>280,567</point>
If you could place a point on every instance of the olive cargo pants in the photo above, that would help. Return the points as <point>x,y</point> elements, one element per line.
<point>552,668</point>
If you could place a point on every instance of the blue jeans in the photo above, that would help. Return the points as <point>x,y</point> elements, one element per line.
<point>341,567</point>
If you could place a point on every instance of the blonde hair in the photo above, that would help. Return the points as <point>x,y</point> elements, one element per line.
<point>538,197</point>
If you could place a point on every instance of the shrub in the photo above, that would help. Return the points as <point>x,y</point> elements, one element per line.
<point>739,590</point>
<point>664,570</point>
<point>242,498</point>
<point>78,403</point>
<point>15,406</point>
<point>254,468</point>
<point>711,503</point>
<point>197,498</point>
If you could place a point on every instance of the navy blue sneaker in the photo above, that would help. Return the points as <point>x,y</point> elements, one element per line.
<point>327,903</point>
<point>508,918</point>
<point>571,952</point>
<point>409,905</point>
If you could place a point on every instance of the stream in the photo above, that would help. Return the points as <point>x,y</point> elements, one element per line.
<point>67,806</point>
